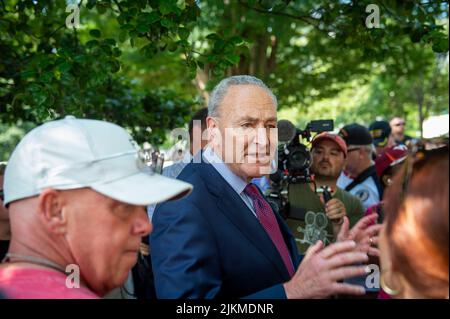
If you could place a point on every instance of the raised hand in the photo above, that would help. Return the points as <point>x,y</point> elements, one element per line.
<point>322,268</point>
<point>364,233</point>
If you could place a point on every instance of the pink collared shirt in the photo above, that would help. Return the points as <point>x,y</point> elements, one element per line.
<point>37,283</point>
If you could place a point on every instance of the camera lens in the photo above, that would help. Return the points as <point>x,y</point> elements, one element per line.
<point>299,158</point>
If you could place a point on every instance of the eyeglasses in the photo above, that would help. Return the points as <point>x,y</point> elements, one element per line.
<point>400,124</point>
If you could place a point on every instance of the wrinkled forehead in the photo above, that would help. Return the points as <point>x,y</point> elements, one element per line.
<point>243,101</point>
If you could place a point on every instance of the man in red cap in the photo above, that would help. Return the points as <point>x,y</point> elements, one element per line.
<point>387,164</point>
<point>310,218</point>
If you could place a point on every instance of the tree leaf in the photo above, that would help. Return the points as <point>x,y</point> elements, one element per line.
<point>95,33</point>
<point>91,3</point>
<point>81,58</point>
<point>142,28</point>
<point>167,23</point>
<point>110,41</point>
<point>172,46</point>
<point>237,40</point>
<point>123,36</point>
<point>183,33</point>
<point>117,52</point>
<point>102,7</point>
<point>440,45</point>
<point>213,36</point>
<point>64,67</point>
<point>27,74</point>
<point>168,6</point>
<point>92,43</point>
<point>233,58</point>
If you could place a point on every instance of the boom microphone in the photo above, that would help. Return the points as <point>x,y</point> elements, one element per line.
<point>286,131</point>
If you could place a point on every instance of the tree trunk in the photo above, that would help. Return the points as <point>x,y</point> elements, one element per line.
<point>419,99</point>
<point>271,62</point>
<point>200,82</point>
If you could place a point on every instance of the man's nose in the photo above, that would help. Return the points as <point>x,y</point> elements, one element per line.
<point>262,137</point>
<point>142,224</point>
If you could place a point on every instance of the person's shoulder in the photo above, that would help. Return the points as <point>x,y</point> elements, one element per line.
<point>192,202</point>
<point>351,201</point>
<point>174,170</point>
<point>33,283</point>
<point>346,196</point>
<point>343,180</point>
<point>191,173</point>
<point>371,184</point>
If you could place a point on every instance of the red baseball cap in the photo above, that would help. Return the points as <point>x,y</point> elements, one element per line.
<point>391,156</point>
<point>331,137</point>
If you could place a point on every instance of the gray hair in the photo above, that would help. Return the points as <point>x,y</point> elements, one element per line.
<point>369,149</point>
<point>221,89</point>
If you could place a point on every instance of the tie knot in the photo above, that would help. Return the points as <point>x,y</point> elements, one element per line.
<point>251,190</point>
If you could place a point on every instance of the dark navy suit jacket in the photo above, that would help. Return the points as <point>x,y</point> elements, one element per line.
<point>210,245</point>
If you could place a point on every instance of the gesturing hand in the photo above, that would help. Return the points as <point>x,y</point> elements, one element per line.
<point>322,268</point>
<point>364,233</point>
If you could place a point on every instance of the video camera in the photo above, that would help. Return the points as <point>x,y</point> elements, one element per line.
<point>294,160</point>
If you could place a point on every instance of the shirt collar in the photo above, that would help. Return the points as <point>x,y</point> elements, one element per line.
<point>236,182</point>
<point>187,157</point>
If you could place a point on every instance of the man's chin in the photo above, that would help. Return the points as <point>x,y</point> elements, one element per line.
<point>258,169</point>
<point>326,176</point>
<point>260,161</point>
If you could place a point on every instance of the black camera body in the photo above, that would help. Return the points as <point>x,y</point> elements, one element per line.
<point>294,160</point>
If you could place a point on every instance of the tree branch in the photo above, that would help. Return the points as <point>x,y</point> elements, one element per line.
<point>118,5</point>
<point>305,18</point>
<point>51,34</point>
<point>4,6</point>
<point>199,53</point>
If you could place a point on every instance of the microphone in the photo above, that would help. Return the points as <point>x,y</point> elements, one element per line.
<point>286,131</point>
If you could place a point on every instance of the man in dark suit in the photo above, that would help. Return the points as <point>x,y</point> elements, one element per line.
<point>224,240</point>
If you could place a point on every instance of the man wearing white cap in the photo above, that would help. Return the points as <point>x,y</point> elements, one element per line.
<point>76,191</point>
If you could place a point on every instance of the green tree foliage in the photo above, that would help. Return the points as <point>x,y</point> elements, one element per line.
<point>146,64</point>
<point>48,71</point>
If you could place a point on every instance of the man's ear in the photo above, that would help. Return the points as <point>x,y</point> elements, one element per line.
<point>210,123</point>
<point>51,211</point>
<point>213,130</point>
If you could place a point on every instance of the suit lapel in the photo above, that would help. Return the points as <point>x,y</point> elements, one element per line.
<point>234,208</point>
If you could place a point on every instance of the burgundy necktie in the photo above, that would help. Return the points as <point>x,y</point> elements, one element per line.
<point>269,222</point>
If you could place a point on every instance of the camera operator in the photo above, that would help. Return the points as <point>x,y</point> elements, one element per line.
<point>313,216</point>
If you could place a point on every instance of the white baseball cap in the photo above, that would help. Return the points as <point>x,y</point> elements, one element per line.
<point>75,153</point>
